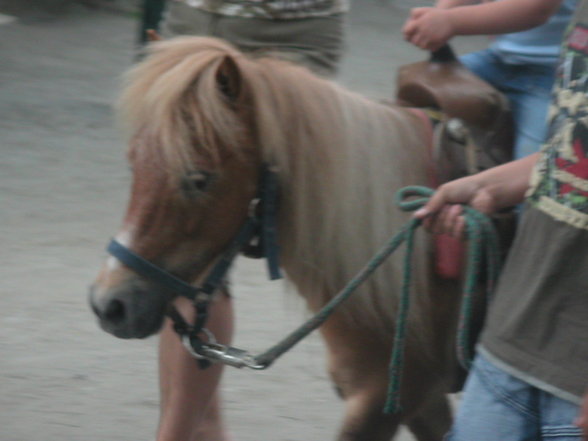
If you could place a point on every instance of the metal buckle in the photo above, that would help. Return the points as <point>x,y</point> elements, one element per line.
<point>217,353</point>
<point>188,344</point>
<point>231,356</point>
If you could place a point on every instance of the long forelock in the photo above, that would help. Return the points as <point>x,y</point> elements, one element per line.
<point>172,99</point>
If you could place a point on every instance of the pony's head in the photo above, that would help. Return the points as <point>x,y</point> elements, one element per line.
<point>204,120</point>
<point>195,170</point>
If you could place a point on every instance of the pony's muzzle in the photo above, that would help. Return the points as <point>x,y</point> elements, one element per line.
<point>128,311</point>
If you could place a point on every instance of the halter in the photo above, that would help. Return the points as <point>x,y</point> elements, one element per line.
<point>257,238</point>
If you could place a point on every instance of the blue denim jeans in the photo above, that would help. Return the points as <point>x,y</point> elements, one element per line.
<point>528,89</point>
<point>499,407</point>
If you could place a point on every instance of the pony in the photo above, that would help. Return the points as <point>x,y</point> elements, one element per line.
<point>203,120</point>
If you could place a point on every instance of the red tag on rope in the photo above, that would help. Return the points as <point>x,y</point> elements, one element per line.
<point>449,253</point>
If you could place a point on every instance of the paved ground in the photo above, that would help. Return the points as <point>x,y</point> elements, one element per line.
<point>63,185</point>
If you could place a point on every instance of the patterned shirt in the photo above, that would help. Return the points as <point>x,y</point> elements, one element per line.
<point>560,183</point>
<point>272,9</point>
<point>537,326</point>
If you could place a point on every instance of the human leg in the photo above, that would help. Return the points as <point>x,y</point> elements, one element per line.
<point>212,427</point>
<point>485,65</point>
<point>496,406</point>
<point>557,419</point>
<point>190,401</point>
<point>529,93</point>
<point>528,89</point>
<point>316,43</point>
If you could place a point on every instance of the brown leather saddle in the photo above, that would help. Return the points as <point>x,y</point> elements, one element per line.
<point>476,129</point>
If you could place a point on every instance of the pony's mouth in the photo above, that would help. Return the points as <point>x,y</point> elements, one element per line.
<point>129,312</point>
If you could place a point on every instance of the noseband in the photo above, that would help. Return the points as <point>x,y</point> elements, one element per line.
<point>256,238</point>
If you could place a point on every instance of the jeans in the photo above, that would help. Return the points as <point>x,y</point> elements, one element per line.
<point>528,89</point>
<point>499,407</point>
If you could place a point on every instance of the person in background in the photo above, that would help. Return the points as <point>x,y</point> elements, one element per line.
<point>306,32</point>
<point>520,62</point>
<point>529,379</point>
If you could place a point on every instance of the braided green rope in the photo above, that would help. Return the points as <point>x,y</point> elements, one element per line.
<point>483,247</point>
<point>269,356</point>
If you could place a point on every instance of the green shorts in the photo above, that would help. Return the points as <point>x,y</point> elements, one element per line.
<point>315,42</point>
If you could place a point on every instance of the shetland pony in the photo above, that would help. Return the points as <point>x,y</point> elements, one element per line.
<point>203,119</point>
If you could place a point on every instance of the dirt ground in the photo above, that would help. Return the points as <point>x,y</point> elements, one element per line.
<point>63,187</point>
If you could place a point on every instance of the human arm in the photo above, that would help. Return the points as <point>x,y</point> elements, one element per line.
<point>431,28</point>
<point>446,4</point>
<point>489,191</point>
<point>582,419</point>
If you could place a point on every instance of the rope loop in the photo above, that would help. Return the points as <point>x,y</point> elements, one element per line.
<point>483,258</point>
<point>402,195</point>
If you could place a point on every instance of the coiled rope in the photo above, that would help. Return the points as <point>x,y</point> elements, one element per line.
<point>483,258</point>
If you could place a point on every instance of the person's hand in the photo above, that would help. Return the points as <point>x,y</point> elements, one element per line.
<point>443,214</point>
<point>582,419</point>
<point>428,28</point>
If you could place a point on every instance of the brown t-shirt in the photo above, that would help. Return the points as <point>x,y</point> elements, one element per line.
<point>537,327</point>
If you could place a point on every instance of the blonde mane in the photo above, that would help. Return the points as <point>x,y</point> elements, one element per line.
<point>340,157</point>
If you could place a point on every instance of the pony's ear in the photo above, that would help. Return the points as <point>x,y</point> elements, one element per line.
<point>228,78</point>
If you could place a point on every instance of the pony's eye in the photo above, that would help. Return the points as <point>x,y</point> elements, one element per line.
<point>197,182</point>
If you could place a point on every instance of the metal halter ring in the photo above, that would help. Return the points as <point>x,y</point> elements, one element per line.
<point>188,344</point>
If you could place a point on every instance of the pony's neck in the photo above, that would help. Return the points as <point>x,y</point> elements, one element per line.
<point>337,190</point>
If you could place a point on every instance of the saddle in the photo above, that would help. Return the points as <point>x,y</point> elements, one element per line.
<point>475,130</point>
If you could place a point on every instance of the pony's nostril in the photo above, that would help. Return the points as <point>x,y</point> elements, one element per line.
<point>114,312</point>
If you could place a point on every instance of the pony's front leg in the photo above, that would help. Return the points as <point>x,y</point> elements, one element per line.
<point>364,419</point>
<point>190,408</point>
<point>358,367</point>
<point>433,420</point>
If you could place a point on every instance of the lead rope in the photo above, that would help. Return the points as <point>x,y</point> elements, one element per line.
<point>483,248</point>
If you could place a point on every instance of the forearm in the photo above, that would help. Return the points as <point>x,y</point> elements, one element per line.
<point>500,17</point>
<point>446,4</point>
<point>506,184</point>
<point>489,192</point>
